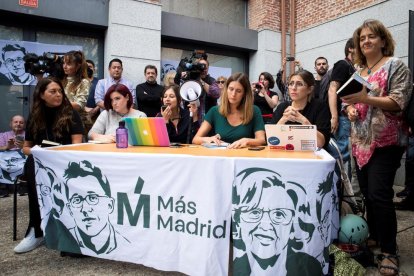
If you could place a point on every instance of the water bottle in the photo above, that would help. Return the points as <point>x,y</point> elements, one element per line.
<point>121,135</point>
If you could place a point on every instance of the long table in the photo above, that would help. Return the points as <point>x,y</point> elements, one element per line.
<point>175,209</point>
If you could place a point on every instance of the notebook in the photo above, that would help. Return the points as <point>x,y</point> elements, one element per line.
<point>291,137</point>
<point>147,131</point>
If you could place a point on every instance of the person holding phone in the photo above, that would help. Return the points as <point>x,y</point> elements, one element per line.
<point>264,98</point>
<point>236,120</point>
<point>176,118</point>
<point>13,139</point>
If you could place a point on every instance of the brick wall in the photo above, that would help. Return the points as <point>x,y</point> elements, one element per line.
<point>265,14</point>
<point>310,13</point>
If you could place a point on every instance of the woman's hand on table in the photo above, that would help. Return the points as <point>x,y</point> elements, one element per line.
<point>213,139</point>
<point>242,143</point>
<point>106,138</point>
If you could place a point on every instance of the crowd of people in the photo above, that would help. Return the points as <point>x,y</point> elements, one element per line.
<point>368,126</point>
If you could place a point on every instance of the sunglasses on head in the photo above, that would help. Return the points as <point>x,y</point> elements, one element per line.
<point>222,81</point>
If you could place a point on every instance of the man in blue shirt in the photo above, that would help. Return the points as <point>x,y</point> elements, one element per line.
<point>115,76</point>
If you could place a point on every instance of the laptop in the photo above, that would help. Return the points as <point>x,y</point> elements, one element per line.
<point>291,137</point>
<point>150,131</point>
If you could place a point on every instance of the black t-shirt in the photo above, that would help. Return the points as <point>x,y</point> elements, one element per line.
<point>341,72</point>
<point>262,104</point>
<point>75,128</point>
<point>149,98</point>
<point>316,111</point>
<point>179,134</point>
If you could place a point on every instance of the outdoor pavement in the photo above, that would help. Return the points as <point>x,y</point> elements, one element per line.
<point>43,261</point>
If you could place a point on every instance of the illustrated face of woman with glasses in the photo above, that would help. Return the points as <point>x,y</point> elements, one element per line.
<point>89,208</point>
<point>266,227</point>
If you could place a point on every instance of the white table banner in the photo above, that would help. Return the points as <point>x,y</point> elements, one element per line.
<point>170,212</point>
<point>283,214</point>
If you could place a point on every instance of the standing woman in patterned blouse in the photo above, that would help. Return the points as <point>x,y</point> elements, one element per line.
<point>77,84</point>
<point>379,133</point>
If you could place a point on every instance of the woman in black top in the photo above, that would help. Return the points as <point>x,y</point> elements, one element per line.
<point>303,109</point>
<point>52,118</point>
<point>178,119</point>
<point>265,99</point>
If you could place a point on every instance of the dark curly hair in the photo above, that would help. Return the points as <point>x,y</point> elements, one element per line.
<point>63,119</point>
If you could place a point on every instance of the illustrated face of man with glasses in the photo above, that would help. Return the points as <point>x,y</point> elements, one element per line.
<point>13,58</point>
<point>89,199</point>
<point>90,207</point>
<point>11,164</point>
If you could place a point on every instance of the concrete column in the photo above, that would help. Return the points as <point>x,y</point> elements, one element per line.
<point>134,36</point>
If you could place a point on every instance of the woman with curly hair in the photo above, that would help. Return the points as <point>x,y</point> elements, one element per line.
<point>379,133</point>
<point>52,118</point>
<point>77,84</point>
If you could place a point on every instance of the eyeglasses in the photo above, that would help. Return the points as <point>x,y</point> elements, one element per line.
<point>77,200</point>
<point>222,82</point>
<point>297,84</point>
<point>279,216</point>
<point>10,61</point>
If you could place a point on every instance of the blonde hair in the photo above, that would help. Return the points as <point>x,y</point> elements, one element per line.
<point>246,104</point>
<point>169,78</point>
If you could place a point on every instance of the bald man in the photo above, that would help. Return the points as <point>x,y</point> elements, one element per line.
<point>14,138</point>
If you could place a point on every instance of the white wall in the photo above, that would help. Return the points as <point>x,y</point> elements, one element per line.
<point>134,36</point>
<point>329,39</point>
<point>268,55</point>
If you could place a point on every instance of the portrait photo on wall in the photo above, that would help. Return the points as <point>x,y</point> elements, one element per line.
<point>21,60</point>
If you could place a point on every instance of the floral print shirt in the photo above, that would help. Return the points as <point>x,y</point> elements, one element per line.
<point>376,128</point>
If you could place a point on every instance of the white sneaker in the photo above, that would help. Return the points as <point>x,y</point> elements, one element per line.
<point>29,243</point>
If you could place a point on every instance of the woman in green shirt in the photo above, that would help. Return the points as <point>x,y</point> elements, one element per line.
<point>236,120</point>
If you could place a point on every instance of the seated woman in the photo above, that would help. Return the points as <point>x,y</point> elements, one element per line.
<point>236,121</point>
<point>176,118</point>
<point>52,118</point>
<point>303,109</point>
<point>118,104</point>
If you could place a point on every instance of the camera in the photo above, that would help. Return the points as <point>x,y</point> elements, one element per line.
<point>290,58</point>
<point>257,86</point>
<point>191,66</point>
<point>50,63</point>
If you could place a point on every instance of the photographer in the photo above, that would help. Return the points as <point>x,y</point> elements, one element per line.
<point>211,91</point>
<point>265,99</point>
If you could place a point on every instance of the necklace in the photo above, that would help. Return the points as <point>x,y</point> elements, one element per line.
<point>370,69</point>
<point>122,115</point>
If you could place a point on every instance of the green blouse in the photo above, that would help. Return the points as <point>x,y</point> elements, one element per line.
<point>229,133</point>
